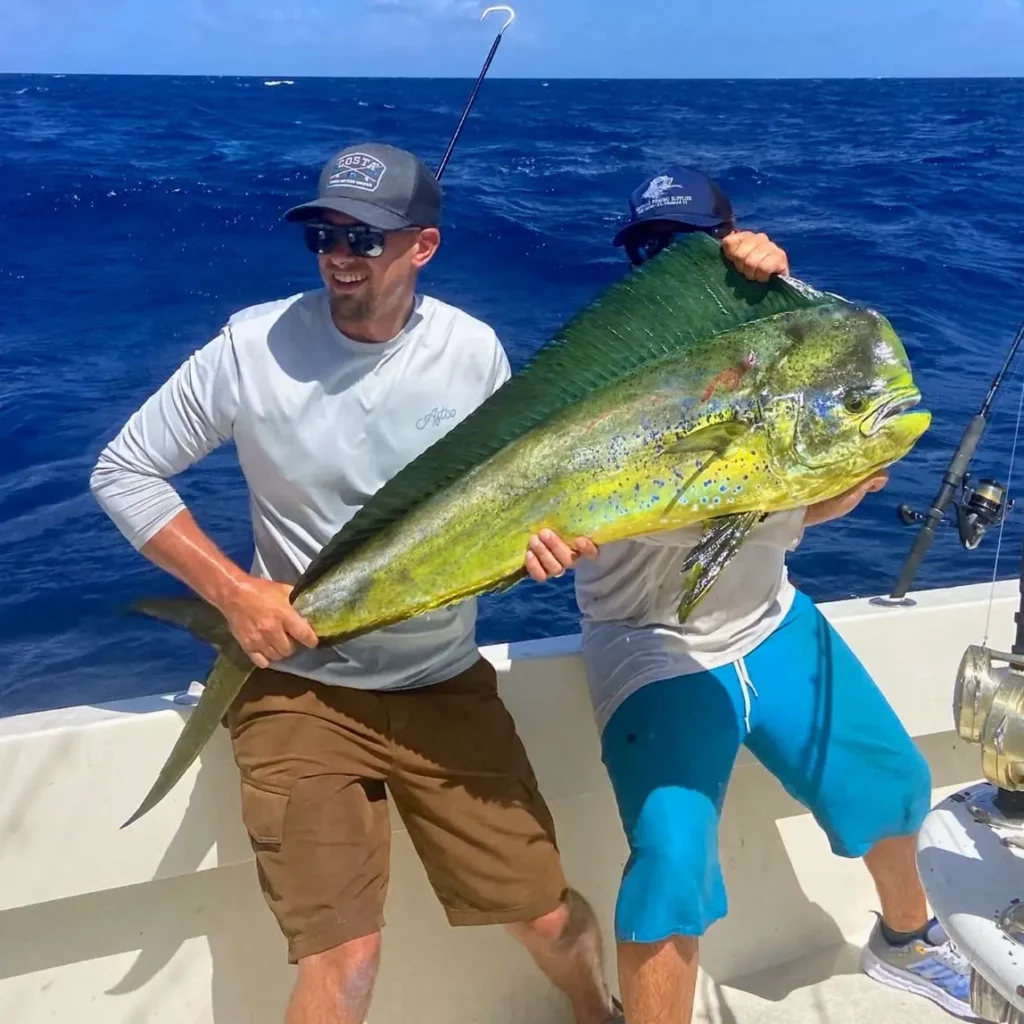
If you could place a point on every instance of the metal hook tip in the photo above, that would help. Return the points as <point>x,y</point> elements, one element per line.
<point>501,7</point>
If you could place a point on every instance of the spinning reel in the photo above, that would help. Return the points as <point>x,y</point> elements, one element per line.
<point>978,509</point>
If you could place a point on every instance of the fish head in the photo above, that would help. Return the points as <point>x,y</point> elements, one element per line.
<point>840,403</point>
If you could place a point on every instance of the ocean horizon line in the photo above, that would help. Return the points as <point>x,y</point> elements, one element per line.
<point>293,77</point>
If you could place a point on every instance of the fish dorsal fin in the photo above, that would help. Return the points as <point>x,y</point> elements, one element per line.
<point>686,293</point>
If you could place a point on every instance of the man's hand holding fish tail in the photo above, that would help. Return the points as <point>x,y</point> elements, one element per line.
<point>258,611</point>
<point>327,395</point>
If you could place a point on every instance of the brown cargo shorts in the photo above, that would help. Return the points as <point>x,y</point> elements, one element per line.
<point>315,761</point>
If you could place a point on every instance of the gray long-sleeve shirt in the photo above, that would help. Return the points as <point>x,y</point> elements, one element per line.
<point>320,422</point>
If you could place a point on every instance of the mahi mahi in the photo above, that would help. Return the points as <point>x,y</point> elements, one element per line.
<point>685,394</point>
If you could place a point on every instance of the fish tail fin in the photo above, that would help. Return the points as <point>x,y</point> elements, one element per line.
<point>225,681</point>
<point>201,619</point>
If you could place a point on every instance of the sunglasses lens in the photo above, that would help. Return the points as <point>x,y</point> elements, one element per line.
<point>369,242</point>
<point>319,238</point>
<point>650,247</point>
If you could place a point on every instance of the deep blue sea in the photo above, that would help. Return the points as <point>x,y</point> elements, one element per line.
<point>136,214</point>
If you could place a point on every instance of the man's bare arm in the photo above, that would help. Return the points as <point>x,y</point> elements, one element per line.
<point>844,504</point>
<point>190,415</point>
<point>257,611</point>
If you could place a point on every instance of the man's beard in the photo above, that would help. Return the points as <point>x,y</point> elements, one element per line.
<point>354,308</point>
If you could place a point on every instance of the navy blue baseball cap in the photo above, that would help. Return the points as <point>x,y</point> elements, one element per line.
<point>684,196</point>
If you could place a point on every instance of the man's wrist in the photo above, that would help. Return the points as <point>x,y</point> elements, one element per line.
<point>226,585</point>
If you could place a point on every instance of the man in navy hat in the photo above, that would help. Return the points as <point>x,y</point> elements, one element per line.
<point>754,664</point>
<point>327,395</point>
<point>685,200</point>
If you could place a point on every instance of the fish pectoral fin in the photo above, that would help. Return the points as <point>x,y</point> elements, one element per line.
<point>717,438</point>
<point>202,620</point>
<point>718,544</point>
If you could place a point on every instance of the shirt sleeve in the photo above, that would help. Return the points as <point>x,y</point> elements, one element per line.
<point>500,372</point>
<point>186,419</point>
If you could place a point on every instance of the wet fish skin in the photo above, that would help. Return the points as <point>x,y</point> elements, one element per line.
<point>656,451</point>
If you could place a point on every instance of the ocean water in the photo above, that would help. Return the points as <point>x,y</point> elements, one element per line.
<point>138,213</point>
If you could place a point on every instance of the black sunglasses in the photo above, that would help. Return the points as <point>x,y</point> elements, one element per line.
<point>362,239</point>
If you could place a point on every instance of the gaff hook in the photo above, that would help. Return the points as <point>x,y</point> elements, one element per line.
<point>501,7</point>
<point>476,88</point>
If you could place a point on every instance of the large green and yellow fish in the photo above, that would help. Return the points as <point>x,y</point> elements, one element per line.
<point>685,394</point>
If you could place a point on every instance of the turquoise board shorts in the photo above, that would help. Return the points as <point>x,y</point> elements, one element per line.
<point>816,721</point>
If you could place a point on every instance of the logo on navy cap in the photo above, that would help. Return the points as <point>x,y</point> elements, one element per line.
<point>662,192</point>
<point>357,170</point>
<point>659,186</point>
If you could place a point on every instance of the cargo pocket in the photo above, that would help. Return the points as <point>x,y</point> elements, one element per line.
<point>263,815</point>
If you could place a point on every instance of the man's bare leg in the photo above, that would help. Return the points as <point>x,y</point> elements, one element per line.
<point>566,944</point>
<point>893,866</point>
<point>334,987</point>
<point>658,980</point>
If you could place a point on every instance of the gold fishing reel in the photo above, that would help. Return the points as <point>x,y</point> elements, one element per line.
<point>988,708</point>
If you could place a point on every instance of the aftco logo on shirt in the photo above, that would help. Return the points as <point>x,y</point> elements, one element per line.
<point>435,417</point>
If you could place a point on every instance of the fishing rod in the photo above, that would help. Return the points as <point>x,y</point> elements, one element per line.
<point>479,81</point>
<point>978,509</point>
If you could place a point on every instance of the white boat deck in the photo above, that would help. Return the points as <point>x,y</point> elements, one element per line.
<point>819,988</point>
<point>164,922</point>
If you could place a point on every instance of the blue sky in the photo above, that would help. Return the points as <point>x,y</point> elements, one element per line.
<point>551,38</point>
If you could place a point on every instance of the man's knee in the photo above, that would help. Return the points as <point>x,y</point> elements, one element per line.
<point>634,956</point>
<point>336,984</point>
<point>880,812</point>
<point>564,925</point>
<point>351,965</point>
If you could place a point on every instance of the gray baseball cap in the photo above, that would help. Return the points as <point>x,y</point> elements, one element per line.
<point>379,185</point>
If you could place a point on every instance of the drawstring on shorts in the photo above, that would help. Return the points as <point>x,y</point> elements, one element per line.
<point>748,688</point>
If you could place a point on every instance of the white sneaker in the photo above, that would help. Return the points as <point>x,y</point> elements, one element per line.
<point>931,967</point>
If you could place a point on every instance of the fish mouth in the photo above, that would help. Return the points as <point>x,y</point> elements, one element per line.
<point>894,406</point>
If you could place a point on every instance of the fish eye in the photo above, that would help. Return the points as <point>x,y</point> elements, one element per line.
<point>855,402</point>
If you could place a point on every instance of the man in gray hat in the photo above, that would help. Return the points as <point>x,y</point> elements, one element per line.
<point>327,395</point>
